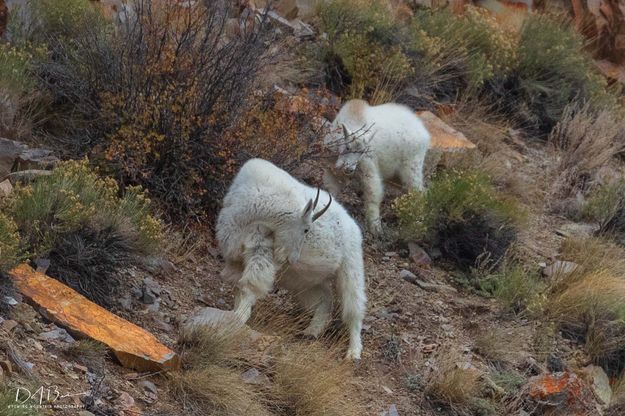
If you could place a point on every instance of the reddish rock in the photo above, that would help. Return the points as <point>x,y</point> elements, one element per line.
<point>444,137</point>
<point>418,256</point>
<point>133,346</point>
<point>562,393</point>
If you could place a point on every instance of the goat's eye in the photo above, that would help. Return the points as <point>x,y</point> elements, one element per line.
<point>306,231</point>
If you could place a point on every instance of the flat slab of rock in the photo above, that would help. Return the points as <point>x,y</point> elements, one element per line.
<point>444,137</point>
<point>133,346</point>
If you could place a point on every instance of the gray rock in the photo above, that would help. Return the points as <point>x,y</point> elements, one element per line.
<point>253,376</point>
<point>9,151</point>
<point>27,175</point>
<point>148,386</point>
<point>560,268</point>
<point>56,334</point>
<point>35,159</point>
<point>600,383</point>
<point>6,188</point>
<point>419,256</point>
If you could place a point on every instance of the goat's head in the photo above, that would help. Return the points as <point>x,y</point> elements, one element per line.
<point>302,226</point>
<point>351,150</point>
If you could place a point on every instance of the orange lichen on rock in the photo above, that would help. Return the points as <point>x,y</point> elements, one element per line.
<point>133,346</point>
<point>564,390</point>
<point>444,137</point>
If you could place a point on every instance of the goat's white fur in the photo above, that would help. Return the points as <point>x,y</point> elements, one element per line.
<point>262,232</point>
<point>382,141</point>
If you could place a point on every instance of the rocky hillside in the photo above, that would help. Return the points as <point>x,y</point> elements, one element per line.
<point>499,290</point>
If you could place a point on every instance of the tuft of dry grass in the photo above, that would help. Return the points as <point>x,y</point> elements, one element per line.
<point>585,138</point>
<point>216,390</point>
<point>312,381</point>
<point>497,346</point>
<point>451,384</point>
<point>302,378</point>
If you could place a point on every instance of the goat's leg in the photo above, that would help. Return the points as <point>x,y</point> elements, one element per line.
<point>318,300</point>
<point>351,288</point>
<point>373,189</point>
<point>411,174</point>
<point>256,282</point>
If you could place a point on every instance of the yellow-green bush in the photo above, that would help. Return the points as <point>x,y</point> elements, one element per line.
<point>9,243</point>
<point>483,49</point>
<point>553,68</point>
<point>463,214</point>
<point>77,219</point>
<point>606,207</point>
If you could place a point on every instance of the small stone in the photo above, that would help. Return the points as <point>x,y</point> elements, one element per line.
<point>418,256</point>
<point>125,401</point>
<point>6,188</point>
<point>387,390</point>
<point>42,265</point>
<point>392,411</point>
<point>148,386</point>
<point>57,334</point>
<point>9,325</point>
<point>10,301</point>
<point>407,275</point>
<point>253,376</point>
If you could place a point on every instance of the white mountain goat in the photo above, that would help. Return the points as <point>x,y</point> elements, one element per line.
<point>383,141</point>
<point>269,229</point>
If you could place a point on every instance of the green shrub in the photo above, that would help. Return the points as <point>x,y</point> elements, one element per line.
<point>77,219</point>
<point>482,48</point>
<point>553,68</point>
<point>463,214</point>
<point>362,53</point>
<point>518,289</point>
<point>606,207</point>
<point>9,243</point>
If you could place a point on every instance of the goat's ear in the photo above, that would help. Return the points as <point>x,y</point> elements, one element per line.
<point>308,209</point>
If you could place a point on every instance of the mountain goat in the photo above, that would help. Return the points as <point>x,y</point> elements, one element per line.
<point>383,141</point>
<point>270,226</point>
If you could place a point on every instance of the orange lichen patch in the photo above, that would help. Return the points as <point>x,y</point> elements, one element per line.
<point>134,347</point>
<point>561,389</point>
<point>444,137</point>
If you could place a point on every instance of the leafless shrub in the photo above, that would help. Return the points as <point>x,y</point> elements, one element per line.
<point>585,139</point>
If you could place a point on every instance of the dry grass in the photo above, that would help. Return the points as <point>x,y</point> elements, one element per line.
<point>302,377</point>
<point>312,381</point>
<point>497,346</point>
<point>585,139</point>
<point>451,385</point>
<point>594,254</point>
<point>481,123</point>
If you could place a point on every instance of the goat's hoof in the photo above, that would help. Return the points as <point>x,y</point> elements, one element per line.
<point>353,356</point>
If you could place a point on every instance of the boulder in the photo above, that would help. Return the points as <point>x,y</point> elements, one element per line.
<point>27,175</point>
<point>562,393</point>
<point>133,346</point>
<point>285,8</point>
<point>599,382</point>
<point>35,159</point>
<point>9,151</point>
<point>444,137</point>
<point>419,256</point>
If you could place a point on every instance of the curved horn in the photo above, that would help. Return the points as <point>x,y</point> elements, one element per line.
<point>316,198</point>
<point>345,131</point>
<point>323,211</point>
